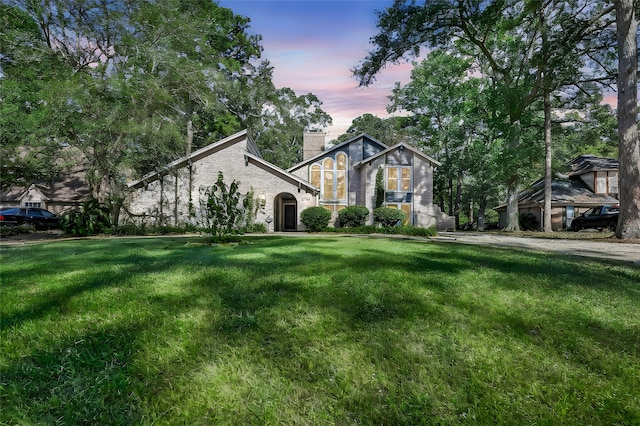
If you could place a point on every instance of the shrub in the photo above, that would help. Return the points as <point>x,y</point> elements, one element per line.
<point>414,231</point>
<point>353,216</point>
<point>128,229</point>
<point>223,209</point>
<point>379,187</point>
<point>6,231</point>
<point>315,219</point>
<point>417,231</point>
<point>90,219</point>
<point>256,228</point>
<point>388,217</point>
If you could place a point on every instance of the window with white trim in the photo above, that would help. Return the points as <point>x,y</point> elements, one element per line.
<point>330,176</point>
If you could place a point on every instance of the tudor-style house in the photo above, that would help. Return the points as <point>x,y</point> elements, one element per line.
<point>335,177</point>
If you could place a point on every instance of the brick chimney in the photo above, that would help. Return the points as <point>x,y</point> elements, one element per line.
<point>312,143</point>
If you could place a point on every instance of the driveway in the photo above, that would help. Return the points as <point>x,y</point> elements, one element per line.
<point>625,252</point>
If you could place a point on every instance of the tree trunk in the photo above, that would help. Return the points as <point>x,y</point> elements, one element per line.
<point>628,145</point>
<point>456,205</point>
<point>513,222</point>
<point>547,164</point>
<point>450,195</point>
<point>189,137</point>
<point>481,209</point>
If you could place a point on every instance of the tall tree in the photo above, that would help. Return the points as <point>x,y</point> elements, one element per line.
<point>283,122</point>
<point>387,130</point>
<point>440,99</point>
<point>629,146</point>
<point>505,37</point>
<point>30,101</point>
<point>139,84</point>
<point>552,18</point>
<point>590,127</point>
<point>140,71</point>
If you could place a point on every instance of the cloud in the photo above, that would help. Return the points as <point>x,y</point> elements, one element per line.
<point>327,73</point>
<point>313,45</point>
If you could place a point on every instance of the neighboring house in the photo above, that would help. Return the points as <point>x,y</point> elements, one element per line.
<point>335,178</point>
<point>592,181</point>
<point>68,191</point>
<point>598,173</point>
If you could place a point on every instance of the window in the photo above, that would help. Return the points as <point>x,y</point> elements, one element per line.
<point>315,175</point>
<point>399,179</point>
<point>601,182</point>
<point>331,177</point>
<point>405,182</point>
<point>392,179</point>
<point>333,207</point>
<point>595,211</point>
<point>406,208</point>
<point>341,176</point>
<point>399,188</point>
<point>31,204</point>
<point>613,182</point>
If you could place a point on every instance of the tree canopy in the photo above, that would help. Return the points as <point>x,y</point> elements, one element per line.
<point>125,87</point>
<point>526,49</point>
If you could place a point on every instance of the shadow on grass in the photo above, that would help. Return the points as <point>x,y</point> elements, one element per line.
<point>84,379</point>
<point>86,271</point>
<point>317,315</point>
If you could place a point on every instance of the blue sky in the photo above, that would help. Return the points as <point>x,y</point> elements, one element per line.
<point>313,45</point>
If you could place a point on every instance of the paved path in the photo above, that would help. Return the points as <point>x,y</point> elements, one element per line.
<point>590,248</point>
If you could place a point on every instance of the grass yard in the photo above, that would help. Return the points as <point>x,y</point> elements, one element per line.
<point>321,330</point>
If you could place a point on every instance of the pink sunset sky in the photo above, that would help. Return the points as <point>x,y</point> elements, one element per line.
<point>314,44</point>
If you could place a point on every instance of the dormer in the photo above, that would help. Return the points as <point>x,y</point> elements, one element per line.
<point>600,174</point>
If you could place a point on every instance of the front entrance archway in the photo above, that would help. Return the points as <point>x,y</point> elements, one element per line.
<point>285,212</point>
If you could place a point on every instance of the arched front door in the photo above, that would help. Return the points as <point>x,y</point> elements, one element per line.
<point>286,212</point>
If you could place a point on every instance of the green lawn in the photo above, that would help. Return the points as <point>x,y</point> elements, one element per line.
<point>322,330</point>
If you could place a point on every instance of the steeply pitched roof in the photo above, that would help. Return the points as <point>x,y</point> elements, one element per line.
<point>15,193</point>
<point>252,155</point>
<point>590,163</point>
<point>200,153</point>
<point>400,145</point>
<point>280,172</point>
<point>336,148</point>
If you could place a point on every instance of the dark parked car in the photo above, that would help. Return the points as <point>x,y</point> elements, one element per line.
<point>40,218</point>
<point>597,217</point>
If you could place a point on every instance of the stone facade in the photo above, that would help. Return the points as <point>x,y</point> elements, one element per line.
<point>366,156</point>
<point>173,196</point>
